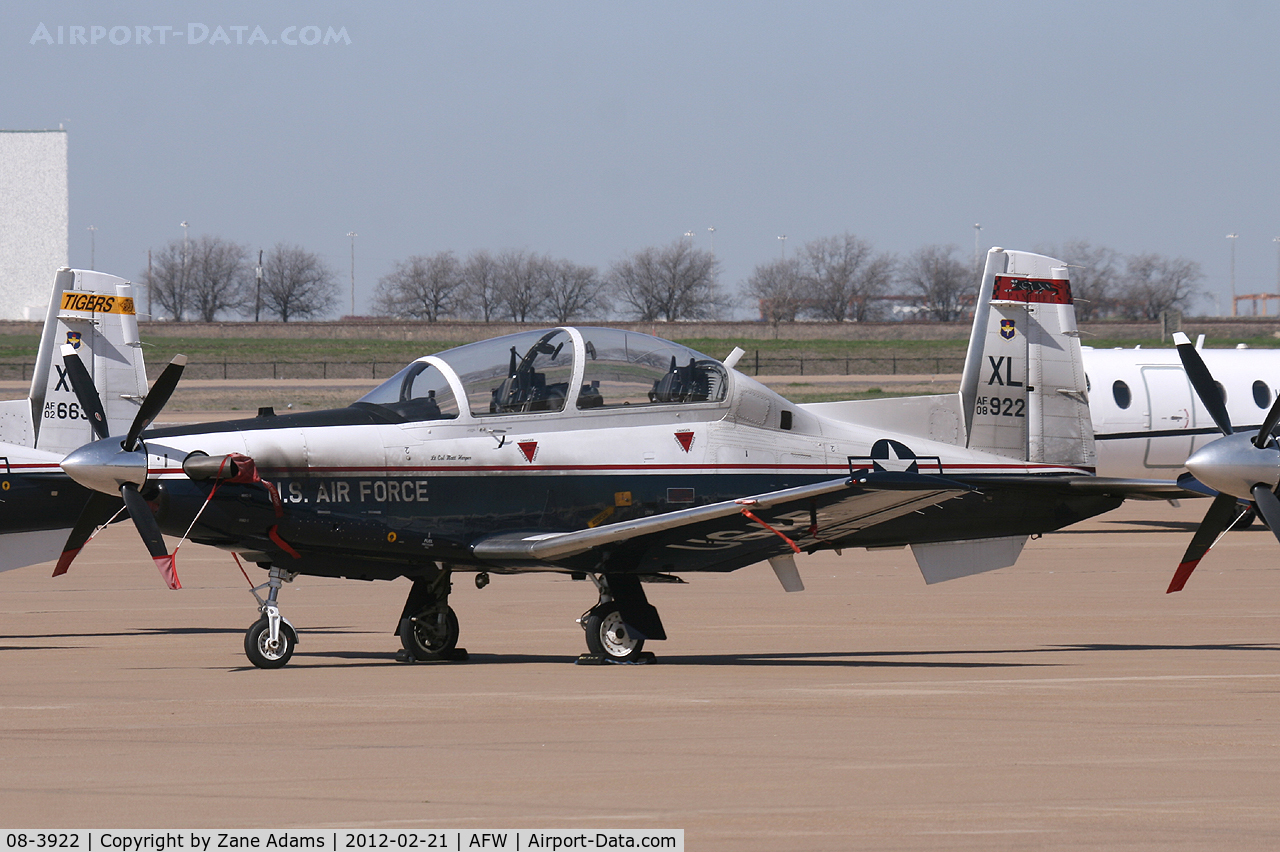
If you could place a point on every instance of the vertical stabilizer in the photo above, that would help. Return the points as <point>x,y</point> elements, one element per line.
<point>1023,388</point>
<point>94,313</point>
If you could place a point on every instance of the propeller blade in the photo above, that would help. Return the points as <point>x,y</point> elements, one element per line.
<point>1264,434</point>
<point>1202,381</point>
<point>1222,514</point>
<point>85,390</point>
<point>150,532</point>
<point>96,512</point>
<point>1269,507</point>
<point>159,394</point>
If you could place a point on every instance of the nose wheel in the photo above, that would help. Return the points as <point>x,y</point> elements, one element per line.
<point>269,641</point>
<point>265,652</point>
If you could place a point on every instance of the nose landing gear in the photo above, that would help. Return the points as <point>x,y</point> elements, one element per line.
<point>270,640</point>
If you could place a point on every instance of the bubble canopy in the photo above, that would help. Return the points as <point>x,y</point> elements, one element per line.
<point>552,370</point>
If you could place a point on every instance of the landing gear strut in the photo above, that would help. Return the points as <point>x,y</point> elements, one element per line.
<point>428,625</point>
<point>619,624</point>
<point>270,640</point>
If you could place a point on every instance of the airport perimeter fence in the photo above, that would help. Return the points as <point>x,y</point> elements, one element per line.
<point>753,365</point>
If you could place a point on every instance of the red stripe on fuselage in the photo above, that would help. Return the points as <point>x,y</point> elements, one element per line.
<point>835,469</point>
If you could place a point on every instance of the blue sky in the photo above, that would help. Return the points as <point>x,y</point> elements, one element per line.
<point>586,130</point>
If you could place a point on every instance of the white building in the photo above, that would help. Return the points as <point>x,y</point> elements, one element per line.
<point>33,219</point>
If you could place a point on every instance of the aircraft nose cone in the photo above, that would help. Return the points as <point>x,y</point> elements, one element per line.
<point>1233,465</point>
<point>104,466</point>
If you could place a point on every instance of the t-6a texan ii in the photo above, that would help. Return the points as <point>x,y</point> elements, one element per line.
<point>626,459</point>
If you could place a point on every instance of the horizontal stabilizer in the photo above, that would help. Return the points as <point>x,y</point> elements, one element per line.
<point>952,559</point>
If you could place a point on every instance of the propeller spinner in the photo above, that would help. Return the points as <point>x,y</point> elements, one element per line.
<point>110,466</point>
<point>1238,466</point>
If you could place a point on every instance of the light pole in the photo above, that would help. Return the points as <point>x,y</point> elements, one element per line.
<point>689,235</point>
<point>783,239</point>
<point>1276,240</point>
<point>93,233</point>
<point>713,241</point>
<point>977,230</point>
<point>1233,238</point>
<point>177,310</point>
<point>353,235</point>
<point>257,298</point>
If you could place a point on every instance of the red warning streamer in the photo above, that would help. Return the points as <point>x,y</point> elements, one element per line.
<point>780,535</point>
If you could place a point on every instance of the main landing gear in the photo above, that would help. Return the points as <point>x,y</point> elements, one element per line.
<point>428,625</point>
<point>619,624</point>
<point>270,640</point>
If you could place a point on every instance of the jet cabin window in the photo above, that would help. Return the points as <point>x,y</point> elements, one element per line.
<point>1261,394</point>
<point>625,368</point>
<point>418,392</point>
<point>521,373</point>
<point>1120,391</point>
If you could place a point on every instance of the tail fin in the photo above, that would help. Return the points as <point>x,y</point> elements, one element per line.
<point>94,313</point>
<point>1023,391</point>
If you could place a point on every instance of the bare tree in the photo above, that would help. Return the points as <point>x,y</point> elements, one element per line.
<point>842,276</point>
<point>168,280</point>
<point>1095,276</point>
<point>297,284</point>
<point>1154,284</point>
<point>219,271</point>
<point>521,284</point>
<point>674,282</point>
<point>481,285</point>
<point>199,279</point>
<point>943,280</point>
<point>425,287</point>
<point>775,286</point>
<point>570,290</point>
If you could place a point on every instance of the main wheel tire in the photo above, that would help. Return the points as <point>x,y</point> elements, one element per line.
<point>257,644</point>
<point>608,636</point>
<point>424,639</point>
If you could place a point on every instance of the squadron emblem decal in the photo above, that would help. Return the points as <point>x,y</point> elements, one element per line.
<point>1007,329</point>
<point>74,338</point>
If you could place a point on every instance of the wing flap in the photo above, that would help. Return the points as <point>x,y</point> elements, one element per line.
<point>719,536</point>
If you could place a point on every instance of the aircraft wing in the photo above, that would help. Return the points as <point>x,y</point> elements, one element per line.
<point>727,535</point>
<point>1129,489</point>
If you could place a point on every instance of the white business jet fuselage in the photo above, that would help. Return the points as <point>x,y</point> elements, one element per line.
<point>1146,418</point>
